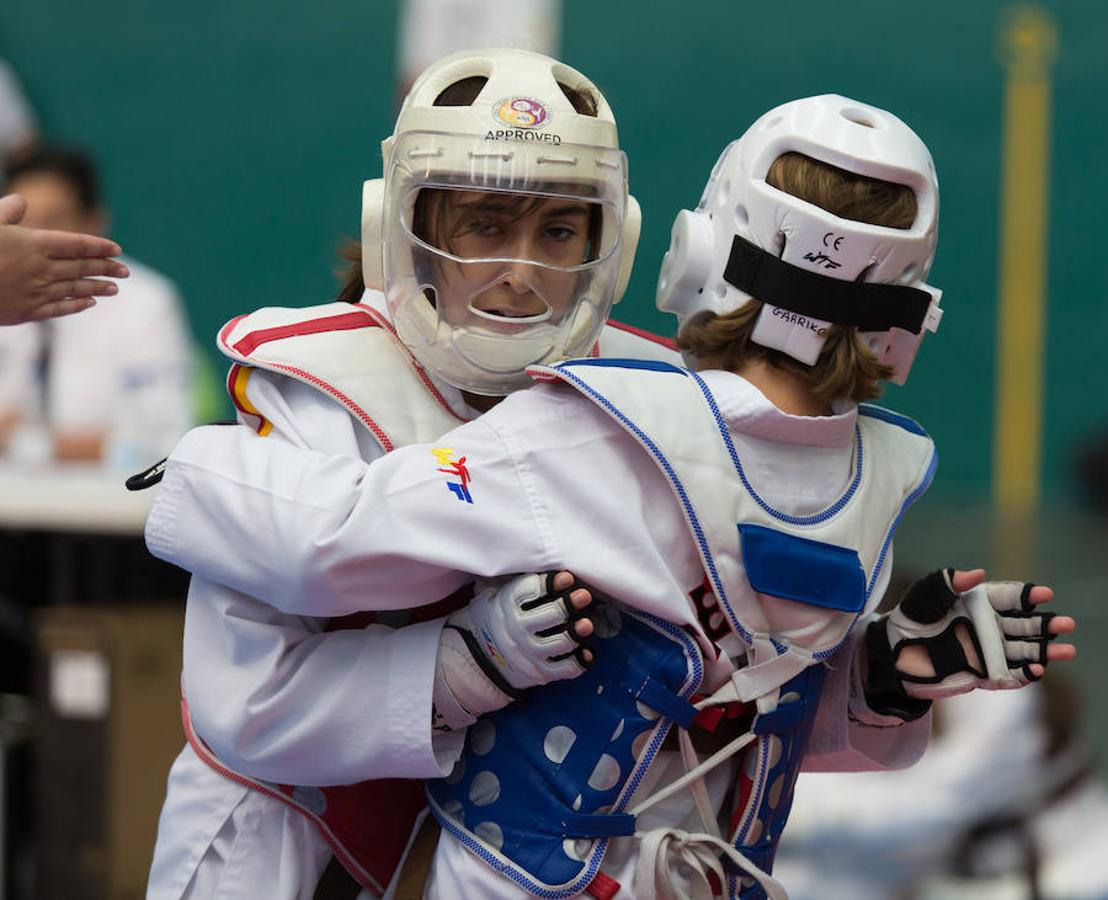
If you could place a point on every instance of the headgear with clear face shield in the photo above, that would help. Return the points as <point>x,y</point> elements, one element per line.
<point>810,267</point>
<point>502,231</point>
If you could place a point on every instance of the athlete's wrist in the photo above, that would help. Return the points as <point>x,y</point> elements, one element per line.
<point>882,690</point>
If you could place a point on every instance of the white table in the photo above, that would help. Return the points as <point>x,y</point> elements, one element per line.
<point>71,497</point>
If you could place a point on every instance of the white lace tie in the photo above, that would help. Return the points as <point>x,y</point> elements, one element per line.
<point>699,854</point>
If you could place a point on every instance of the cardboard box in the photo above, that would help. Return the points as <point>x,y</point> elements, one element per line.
<point>108,728</point>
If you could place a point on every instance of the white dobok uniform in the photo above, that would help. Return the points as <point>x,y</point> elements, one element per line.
<point>276,696</point>
<point>298,518</point>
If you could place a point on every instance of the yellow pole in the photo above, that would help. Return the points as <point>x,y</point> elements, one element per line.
<point>1029,43</point>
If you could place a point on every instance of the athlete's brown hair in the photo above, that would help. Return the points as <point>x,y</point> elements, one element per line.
<point>846,368</point>
<point>430,206</point>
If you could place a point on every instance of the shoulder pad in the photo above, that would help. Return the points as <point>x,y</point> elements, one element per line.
<point>893,418</point>
<point>619,340</point>
<point>243,335</point>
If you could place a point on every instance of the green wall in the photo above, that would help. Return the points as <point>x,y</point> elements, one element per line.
<point>234,138</point>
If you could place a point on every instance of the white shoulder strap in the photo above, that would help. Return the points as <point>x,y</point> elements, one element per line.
<point>349,352</point>
<point>618,340</point>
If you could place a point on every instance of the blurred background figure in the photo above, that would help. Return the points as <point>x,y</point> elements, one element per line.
<point>432,29</point>
<point>18,131</point>
<point>112,384</point>
<point>1091,472</point>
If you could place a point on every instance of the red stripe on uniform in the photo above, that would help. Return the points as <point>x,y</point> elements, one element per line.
<point>232,377</point>
<point>649,335</point>
<point>226,329</point>
<point>382,438</point>
<point>345,322</point>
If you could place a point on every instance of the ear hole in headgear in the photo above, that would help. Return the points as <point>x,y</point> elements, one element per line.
<point>858,117</point>
<point>582,101</point>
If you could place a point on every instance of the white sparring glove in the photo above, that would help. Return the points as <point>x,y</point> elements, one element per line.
<point>513,635</point>
<point>998,619</point>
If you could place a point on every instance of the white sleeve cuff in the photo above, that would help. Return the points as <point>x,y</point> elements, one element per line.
<point>850,737</point>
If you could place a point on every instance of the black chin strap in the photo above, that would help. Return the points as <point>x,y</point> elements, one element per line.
<point>864,305</point>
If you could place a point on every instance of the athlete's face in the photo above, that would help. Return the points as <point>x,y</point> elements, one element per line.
<point>477,225</point>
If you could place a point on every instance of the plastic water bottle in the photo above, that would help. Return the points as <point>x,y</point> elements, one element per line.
<point>136,439</point>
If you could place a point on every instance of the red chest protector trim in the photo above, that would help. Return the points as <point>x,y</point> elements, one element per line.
<point>278,348</point>
<point>666,344</point>
<point>366,825</point>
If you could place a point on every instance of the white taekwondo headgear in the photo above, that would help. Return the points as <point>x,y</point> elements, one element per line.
<point>811,268</point>
<point>521,136</point>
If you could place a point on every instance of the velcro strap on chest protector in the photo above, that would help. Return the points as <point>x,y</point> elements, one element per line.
<point>800,569</point>
<point>542,786</point>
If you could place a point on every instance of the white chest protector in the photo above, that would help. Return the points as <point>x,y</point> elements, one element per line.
<point>791,588</point>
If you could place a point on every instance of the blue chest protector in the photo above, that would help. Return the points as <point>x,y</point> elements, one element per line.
<point>541,786</point>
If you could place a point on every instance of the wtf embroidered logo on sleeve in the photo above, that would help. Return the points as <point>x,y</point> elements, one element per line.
<point>458,483</point>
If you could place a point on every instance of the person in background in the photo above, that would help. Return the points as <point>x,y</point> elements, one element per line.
<point>43,274</point>
<point>116,383</point>
<point>18,131</point>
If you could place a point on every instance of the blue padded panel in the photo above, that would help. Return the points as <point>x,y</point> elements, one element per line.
<point>792,723</point>
<point>551,767</point>
<point>800,569</point>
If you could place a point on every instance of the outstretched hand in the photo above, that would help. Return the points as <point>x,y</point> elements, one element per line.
<point>914,659</point>
<point>44,274</point>
<point>953,631</point>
